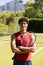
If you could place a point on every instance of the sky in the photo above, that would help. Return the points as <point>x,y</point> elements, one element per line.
<point>2,2</point>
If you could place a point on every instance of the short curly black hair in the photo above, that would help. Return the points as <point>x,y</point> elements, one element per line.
<point>23,20</point>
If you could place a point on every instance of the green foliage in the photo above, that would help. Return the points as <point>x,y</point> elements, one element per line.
<point>19,14</point>
<point>9,22</point>
<point>30,13</point>
<point>8,17</point>
<point>33,10</point>
<point>3,29</point>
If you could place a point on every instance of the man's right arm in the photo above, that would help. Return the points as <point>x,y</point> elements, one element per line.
<point>13,45</point>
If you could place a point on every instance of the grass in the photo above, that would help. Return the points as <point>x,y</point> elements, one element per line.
<point>6,53</point>
<point>37,59</point>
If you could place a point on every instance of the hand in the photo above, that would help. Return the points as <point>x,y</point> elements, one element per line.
<point>20,47</point>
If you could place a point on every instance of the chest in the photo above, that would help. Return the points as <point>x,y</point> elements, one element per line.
<point>23,40</point>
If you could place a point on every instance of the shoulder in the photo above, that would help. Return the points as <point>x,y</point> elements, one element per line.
<point>29,33</point>
<point>32,35</point>
<point>15,34</point>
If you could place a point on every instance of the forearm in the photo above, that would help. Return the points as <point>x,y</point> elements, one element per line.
<point>16,50</point>
<point>27,49</point>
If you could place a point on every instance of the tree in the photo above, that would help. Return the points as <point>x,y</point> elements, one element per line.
<point>41,6</point>
<point>33,10</point>
<point>30,13</point>
<point>4,19</point>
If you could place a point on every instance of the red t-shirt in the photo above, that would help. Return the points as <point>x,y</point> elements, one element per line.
<point>23,40</point>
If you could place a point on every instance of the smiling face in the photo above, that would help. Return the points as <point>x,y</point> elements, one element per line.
<point>23,25</point>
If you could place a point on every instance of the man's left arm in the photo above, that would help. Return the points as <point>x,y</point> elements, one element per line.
<point>31,47</point>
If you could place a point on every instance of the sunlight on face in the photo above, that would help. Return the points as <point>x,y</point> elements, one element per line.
<point>23,25</point>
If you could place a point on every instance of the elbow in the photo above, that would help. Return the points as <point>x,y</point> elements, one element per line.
<point>33,50</point>
<point>13,50</point>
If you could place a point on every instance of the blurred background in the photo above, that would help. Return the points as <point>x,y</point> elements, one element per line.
<point>10,12</point>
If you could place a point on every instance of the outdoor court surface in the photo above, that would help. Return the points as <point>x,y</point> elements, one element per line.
<point>6,53</point>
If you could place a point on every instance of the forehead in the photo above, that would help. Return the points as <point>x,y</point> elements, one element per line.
<point>24,22</point>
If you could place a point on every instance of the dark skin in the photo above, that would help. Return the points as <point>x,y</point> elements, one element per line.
<point>15,49</point>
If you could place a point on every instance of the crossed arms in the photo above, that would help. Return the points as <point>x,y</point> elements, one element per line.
<point>22,49</point>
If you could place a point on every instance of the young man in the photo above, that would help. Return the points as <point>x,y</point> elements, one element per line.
<point>22,44</point>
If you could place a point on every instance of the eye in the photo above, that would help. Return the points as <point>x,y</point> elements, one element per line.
<point>24,23</point>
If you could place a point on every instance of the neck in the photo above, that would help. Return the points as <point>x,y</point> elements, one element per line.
<point>23,31</point>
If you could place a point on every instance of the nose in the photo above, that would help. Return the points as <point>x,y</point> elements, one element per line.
<point>23,24</point>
